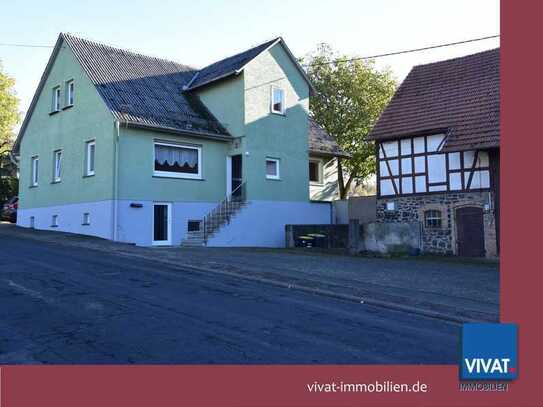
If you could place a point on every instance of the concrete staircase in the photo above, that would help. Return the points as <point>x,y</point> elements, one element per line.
<point>194,239</point>
<point>217,218</point>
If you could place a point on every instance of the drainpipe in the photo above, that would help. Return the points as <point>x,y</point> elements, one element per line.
<point>116,178</point>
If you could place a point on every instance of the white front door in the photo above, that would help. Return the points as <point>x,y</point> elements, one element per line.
<point>162,224</point>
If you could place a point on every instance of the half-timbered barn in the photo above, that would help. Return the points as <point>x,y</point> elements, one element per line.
<point>437,146</point>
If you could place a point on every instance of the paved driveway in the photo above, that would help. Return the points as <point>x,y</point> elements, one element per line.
<point>75,303</point>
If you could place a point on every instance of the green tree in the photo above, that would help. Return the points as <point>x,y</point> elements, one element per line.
<point>350,97</point>
<point>9,116</point>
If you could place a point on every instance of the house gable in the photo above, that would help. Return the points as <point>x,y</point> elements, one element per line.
<point>44,132</point>
<point>235,65</point>
<point>277,136</point>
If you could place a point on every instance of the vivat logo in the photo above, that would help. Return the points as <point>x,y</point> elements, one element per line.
<point>489,351</point>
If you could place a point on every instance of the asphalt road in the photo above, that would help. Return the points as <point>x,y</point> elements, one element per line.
<point>61,304</point>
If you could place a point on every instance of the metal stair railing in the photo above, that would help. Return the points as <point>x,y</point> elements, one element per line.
<point>224,209</point>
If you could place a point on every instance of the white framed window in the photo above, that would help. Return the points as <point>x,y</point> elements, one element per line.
<point>70,90</point>
<point>315,171</point>
<point>277,100</point>
<point>177,160</point>
<point>86,219</point>
<point>54,221</point>
<point>90,157</point>
<point>57,165</point>
<point>35,164</point>
<point>272,168</point>
<point>432,219</point>
<point>55,103</point>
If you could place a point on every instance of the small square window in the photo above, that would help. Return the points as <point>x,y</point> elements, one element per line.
<point>272,168</point>
<point>432,219</point>
<point>86,219</point>
<point>55,104</point>
<point>54,221</point>
<point>193,225</point>
<point>277,100</point>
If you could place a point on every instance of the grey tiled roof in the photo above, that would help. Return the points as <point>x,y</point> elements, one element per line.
<point>228,66</point>
<point>460,96</point>
<point>148,92</point>
<point>321,143</point>
<point>143,90</point>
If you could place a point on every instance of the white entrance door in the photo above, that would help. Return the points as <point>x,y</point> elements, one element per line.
<point>162,224</point>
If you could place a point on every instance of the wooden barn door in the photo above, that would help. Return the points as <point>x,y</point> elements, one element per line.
<point>470,232</point>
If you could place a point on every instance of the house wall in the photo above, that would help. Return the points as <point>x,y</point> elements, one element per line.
<point>226,101</point>
<point>191,199</point>
<point>272,135</point>
<point>441,240</point>
<point>328,190</point>
<point>418,165</point>
<point>70,218</point>
<point>242,102</point>
<point>136,179</point>
<point>135,225</point>
<point>262,223</point>
<point>68,130</point>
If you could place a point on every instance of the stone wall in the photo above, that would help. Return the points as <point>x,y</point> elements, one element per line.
<point>441,240</point>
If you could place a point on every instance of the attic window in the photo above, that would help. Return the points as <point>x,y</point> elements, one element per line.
<point>70,89</point>
<point>55,103</point>
<point>277,100</point>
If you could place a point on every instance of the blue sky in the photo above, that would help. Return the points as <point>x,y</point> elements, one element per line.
<point>200,32</point>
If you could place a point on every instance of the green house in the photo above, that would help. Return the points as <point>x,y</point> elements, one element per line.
<point>144,150</point>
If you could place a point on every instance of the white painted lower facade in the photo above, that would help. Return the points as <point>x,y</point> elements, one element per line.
<point>70,218</point>
<point>258,224</point>
<point>262,223</point>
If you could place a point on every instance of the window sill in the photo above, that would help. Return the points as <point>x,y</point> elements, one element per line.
<point>85,224</point>
<point>33,186</point>
<point>54,112</point>
<point>316,184</point>
<point>53,226</point>
<point>88,175</point>
<point>273,179</point>
<point>279,113</point>
<point>175,176</point>
<point>67,107</point>
<point>56,182</point>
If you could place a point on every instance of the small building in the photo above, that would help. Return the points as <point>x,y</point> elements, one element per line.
<point>438,155</point>
<point>148,151</point>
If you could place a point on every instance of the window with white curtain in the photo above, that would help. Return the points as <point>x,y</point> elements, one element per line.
<point>178,161</point>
